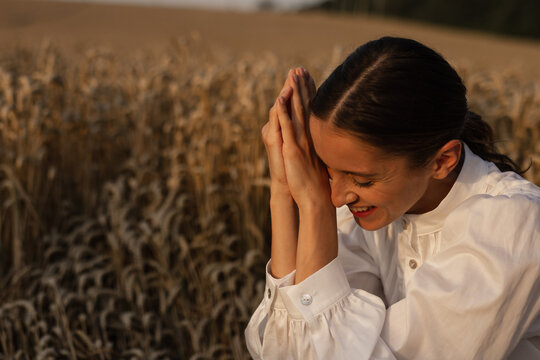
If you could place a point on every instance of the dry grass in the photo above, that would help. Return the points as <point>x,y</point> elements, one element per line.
<point>133,194</point>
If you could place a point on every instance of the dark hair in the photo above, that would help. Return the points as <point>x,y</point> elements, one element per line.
<point>405,98</point>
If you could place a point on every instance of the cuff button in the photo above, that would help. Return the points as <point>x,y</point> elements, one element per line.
<point>306,299</point>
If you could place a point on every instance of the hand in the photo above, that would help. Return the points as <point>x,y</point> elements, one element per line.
<point>273,142</point>
<point>283,210</point>
<point>305,174</point>
<point>271,131</point>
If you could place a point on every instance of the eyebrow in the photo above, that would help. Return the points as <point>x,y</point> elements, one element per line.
<point>359,174</point>
<point>355,173</point>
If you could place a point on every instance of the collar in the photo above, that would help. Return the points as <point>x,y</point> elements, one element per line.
<point>468,183</point>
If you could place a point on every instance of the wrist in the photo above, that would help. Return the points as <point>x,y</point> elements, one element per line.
<point>317,239</point>
<point>282,203</point>
<point>316,207</point>
<point>280,192</point>
<point>319,214</point>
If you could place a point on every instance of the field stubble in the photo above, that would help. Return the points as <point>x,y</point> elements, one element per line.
<point>134,220</point>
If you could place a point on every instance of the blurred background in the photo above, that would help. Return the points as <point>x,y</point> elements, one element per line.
<point>134,188</point>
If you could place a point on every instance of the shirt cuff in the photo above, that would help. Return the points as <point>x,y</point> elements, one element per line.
<point>271,296</point>
<point>319,291</point>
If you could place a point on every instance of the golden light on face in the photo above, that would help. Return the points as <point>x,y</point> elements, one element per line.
<point>377,188</point>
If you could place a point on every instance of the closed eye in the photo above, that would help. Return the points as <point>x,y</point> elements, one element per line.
<point>355,182</point>
<point>362,184</point>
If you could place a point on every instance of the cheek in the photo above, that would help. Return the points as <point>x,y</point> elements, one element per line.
<point>414,191</point>
<point>381,197</point>
<point>398,196</point>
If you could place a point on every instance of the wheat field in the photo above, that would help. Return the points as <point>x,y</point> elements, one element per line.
<point>134,219</point>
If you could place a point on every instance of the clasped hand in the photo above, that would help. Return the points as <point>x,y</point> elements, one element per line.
<point>304,233</point>
<point>295,168</point>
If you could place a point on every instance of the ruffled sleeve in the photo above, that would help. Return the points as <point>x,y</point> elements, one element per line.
<point>323,317</point>
<point>320,318</point>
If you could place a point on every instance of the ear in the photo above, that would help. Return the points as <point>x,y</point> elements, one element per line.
<point>447,159</point>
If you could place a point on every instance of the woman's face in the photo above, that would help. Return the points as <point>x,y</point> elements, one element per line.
<point>378,188</point>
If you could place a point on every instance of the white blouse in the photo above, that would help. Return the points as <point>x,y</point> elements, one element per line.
<point>461,282</point>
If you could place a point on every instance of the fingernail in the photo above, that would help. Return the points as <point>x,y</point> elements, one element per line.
<point>295,78</point>
<point>281,100</point>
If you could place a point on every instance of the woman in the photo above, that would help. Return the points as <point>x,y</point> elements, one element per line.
<point>435,249</point>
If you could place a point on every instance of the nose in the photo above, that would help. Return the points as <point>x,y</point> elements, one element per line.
<point>342,193</point>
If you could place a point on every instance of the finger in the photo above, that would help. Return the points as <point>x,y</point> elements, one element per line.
<point>286,84</point>
<point>285,123</point>
<point>271,135</point>
<point>288,80</point>
<point>298,114</point>
<point>303,88</point>
<point>273,143</point>
<point>286,93</point>
<point>274,153</point>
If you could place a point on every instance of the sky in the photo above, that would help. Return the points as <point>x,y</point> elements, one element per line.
<point>245,5</point>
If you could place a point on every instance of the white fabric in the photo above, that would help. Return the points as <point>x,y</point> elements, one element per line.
<point>474,293</point>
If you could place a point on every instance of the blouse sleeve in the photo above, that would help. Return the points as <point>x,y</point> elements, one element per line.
<point>474,299</point>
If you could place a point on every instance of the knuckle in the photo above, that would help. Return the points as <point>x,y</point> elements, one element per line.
<point>265,133</point>
<point>269,139</point>
<point>267,143</point>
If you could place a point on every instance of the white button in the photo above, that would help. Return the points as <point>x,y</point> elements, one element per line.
<point>413,264</point>
<point>306,299</point>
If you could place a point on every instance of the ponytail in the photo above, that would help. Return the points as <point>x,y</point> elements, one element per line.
<point>478,135</point>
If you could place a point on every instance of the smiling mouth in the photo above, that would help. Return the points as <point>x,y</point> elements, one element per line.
<point>360,209</point>
<point>363,211</point>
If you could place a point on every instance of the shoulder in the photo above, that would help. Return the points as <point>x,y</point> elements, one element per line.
<point>508,183</point>
<point>508,221</point>
<point>503,209</point>
<point>506,201</point>
<point>507,196</point>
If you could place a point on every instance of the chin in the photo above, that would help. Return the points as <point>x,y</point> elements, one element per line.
<point>369,226</point>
